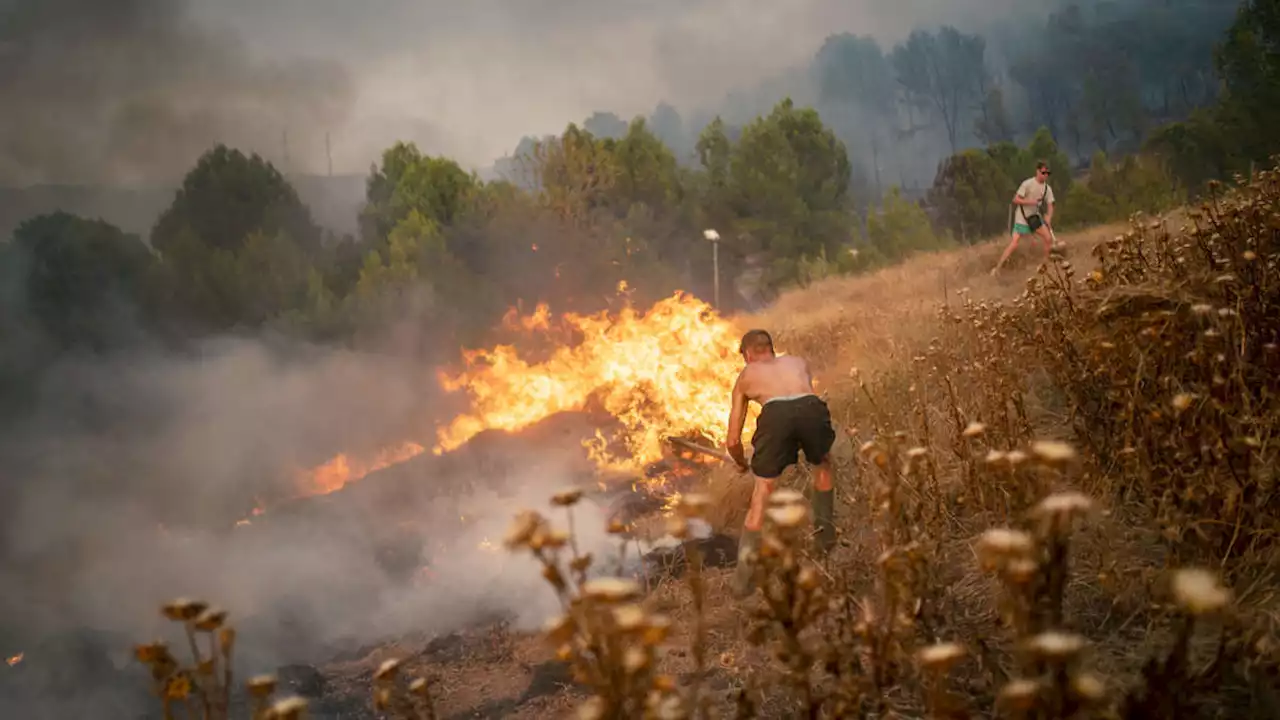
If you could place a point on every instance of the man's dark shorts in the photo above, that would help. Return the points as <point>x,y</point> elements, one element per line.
<point>787,426</point>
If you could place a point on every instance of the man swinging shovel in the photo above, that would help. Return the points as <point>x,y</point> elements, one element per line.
<point>1034,192</point>
<point>792,418</point>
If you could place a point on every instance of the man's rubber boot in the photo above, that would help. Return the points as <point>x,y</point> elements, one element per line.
<point>743,582</point>
<point>824,509</point>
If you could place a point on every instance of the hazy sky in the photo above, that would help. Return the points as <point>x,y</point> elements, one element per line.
<point>133,90</point>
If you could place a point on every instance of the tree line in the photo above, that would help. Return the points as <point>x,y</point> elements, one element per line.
<point>1098,76</point>
<point>238,252</point>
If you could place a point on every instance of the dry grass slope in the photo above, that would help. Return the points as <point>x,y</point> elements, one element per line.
<point>1057,501</point>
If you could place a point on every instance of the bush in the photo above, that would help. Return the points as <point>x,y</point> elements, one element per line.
<point>1137,184</point>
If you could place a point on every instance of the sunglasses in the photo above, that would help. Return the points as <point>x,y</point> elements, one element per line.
<point>1046,173</point>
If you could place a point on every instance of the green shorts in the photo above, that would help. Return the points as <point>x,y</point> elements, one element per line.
<point>1032,225</point>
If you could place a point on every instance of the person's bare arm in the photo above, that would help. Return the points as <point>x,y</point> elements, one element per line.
<point>737,418</point>
<point>1048,215</point>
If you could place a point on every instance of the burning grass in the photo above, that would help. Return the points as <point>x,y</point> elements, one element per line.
<point>1055,503</point>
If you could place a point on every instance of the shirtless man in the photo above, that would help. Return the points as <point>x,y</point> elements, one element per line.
<point>792,418</point>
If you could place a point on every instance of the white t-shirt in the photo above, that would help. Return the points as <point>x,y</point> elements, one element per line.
<point>1036,190</point>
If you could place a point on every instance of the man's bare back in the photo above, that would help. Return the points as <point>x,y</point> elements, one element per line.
<point>792,419</point>
<point>792,416</point>
<point>777,377</point>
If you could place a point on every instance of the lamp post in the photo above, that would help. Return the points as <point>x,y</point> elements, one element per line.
<point>714,237</point>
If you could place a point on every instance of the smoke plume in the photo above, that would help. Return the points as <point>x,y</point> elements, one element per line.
<point>132,91</point>
<point>123,492</point>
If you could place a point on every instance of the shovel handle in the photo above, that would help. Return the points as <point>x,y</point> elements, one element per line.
<point>713,452</point>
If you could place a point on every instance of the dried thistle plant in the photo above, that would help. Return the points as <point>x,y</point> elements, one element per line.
<point>202,689</point>
<point>607,631</point>
<point>401,700</point>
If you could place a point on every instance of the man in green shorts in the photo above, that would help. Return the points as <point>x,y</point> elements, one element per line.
<point>792,418</point>
<point>1032,213</point>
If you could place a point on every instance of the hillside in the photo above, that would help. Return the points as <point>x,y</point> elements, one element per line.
<point>941,411</point>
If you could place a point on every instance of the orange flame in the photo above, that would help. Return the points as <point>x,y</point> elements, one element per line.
<point>668,371</point>
<point>342,469</point>
<point>540,319</point>
<point>14,660</point>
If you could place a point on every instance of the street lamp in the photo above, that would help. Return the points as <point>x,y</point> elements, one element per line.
<point>714,237</point>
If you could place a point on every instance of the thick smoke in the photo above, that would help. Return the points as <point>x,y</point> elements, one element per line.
<point>132,91</point>
<point>124,492</point>
<point>121,91</point>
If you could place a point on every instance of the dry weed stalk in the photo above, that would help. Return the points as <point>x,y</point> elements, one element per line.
<point>845,655</point>
<point>607,632</point>
<point>203,688</point>
<point>1169,353</point>
<point>1032,564</point>
<point>411,701</point>
<point>793,597</point>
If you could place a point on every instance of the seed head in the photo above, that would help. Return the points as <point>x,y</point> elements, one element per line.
<point>554,539</point>
<point>1198,591</point>
<point>178,686</point>
<point>1182,401</point>
<point>260,686</point>
<point>974,429</point>
<point>808,578</point>
<point>611,589</point>
<point>1064,504</point>
<point>1056,645</point>
<point>1005,543</point>
<point>150,652</point>
<point>183,609</point>
<point>1053,452</point>
<point>387,670</point>
<point>592,709</point>
<point>559,629</point>
<point>523,528</point>
<point>1089,687</point>
<point>1022,570</point>
<point>635,659</point>
<point>566,498</point>
<point>211,620</point>
<point>941,656</point>
<point>657,629</point>
<point>1019,694</point>
<point>694,505</point>
<point>292,708</point>
<point>785,497</point>
<point>787,516</point>
<point>669,706</point>
<point>630,617</point>
<point>420,687</point>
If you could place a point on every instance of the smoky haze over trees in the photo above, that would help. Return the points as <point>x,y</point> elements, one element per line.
<point>132,91</point>
<point>181,374</point>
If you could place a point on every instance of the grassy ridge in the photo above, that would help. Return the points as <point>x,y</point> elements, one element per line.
<point>1055,501</point>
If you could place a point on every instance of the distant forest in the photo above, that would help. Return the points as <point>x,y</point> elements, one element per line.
<point>1148,100</point>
